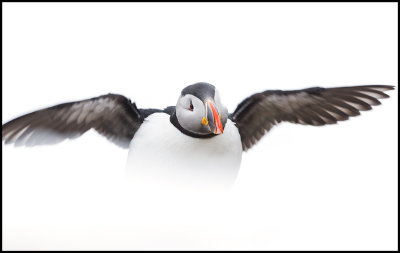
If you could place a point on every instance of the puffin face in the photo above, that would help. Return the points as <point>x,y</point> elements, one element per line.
<point>199,110</point>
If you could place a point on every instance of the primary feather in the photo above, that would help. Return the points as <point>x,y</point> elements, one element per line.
<point>113,116</point>
<point>317,106</point>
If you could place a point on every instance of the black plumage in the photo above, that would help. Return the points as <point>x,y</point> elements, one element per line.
<point>316,106</point>
<point>113,116</point>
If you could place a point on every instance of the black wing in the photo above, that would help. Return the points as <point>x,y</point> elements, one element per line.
<point>113,116</point>
<point>257,114</point>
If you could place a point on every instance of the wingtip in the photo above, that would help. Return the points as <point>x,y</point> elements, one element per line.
<point>390,87</point>
<point>385,87</point>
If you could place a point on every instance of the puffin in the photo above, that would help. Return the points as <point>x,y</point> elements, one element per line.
<point>198,140</point>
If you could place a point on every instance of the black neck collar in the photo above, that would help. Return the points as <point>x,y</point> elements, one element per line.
<point>174,121</point>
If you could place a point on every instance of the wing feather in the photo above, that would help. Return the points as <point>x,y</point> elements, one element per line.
<point>112,115</point>
<point>316,106</point>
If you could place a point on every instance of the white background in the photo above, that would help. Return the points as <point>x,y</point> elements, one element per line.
<point>299,188</point>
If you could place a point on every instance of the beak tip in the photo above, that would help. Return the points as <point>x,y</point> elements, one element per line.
<point>219,131</point>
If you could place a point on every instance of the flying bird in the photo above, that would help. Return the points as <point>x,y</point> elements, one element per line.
<point>197,137</point>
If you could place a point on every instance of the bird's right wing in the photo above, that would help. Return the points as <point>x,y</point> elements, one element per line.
<point>113,116</point>
<point>316,106</point>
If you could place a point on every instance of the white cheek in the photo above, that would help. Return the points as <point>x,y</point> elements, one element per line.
<point>190,119</point>
<point>183,102</point>
<point>217,97</point>
<point>198,106</point>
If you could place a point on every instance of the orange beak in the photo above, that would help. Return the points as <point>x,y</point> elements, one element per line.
<point>217,119</point>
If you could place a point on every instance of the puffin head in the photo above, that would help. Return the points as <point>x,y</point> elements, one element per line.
<point>199,111</point>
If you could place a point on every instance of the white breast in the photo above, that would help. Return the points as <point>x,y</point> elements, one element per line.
<point>160,153</point>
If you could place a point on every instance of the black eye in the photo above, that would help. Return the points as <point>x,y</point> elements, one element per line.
<point>191,106</point>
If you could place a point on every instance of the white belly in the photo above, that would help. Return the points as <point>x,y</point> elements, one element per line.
<point>160,154</point>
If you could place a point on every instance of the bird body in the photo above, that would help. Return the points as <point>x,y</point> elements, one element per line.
<point>160,152</point>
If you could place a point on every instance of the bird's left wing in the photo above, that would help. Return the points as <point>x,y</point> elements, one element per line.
<point>316,106</point>
<point>113,116</point>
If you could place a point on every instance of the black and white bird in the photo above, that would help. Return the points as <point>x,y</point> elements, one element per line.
<point>198,137</point>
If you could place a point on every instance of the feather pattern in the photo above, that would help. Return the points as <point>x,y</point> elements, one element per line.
<point>112,115</point>
<point>316,106</point>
